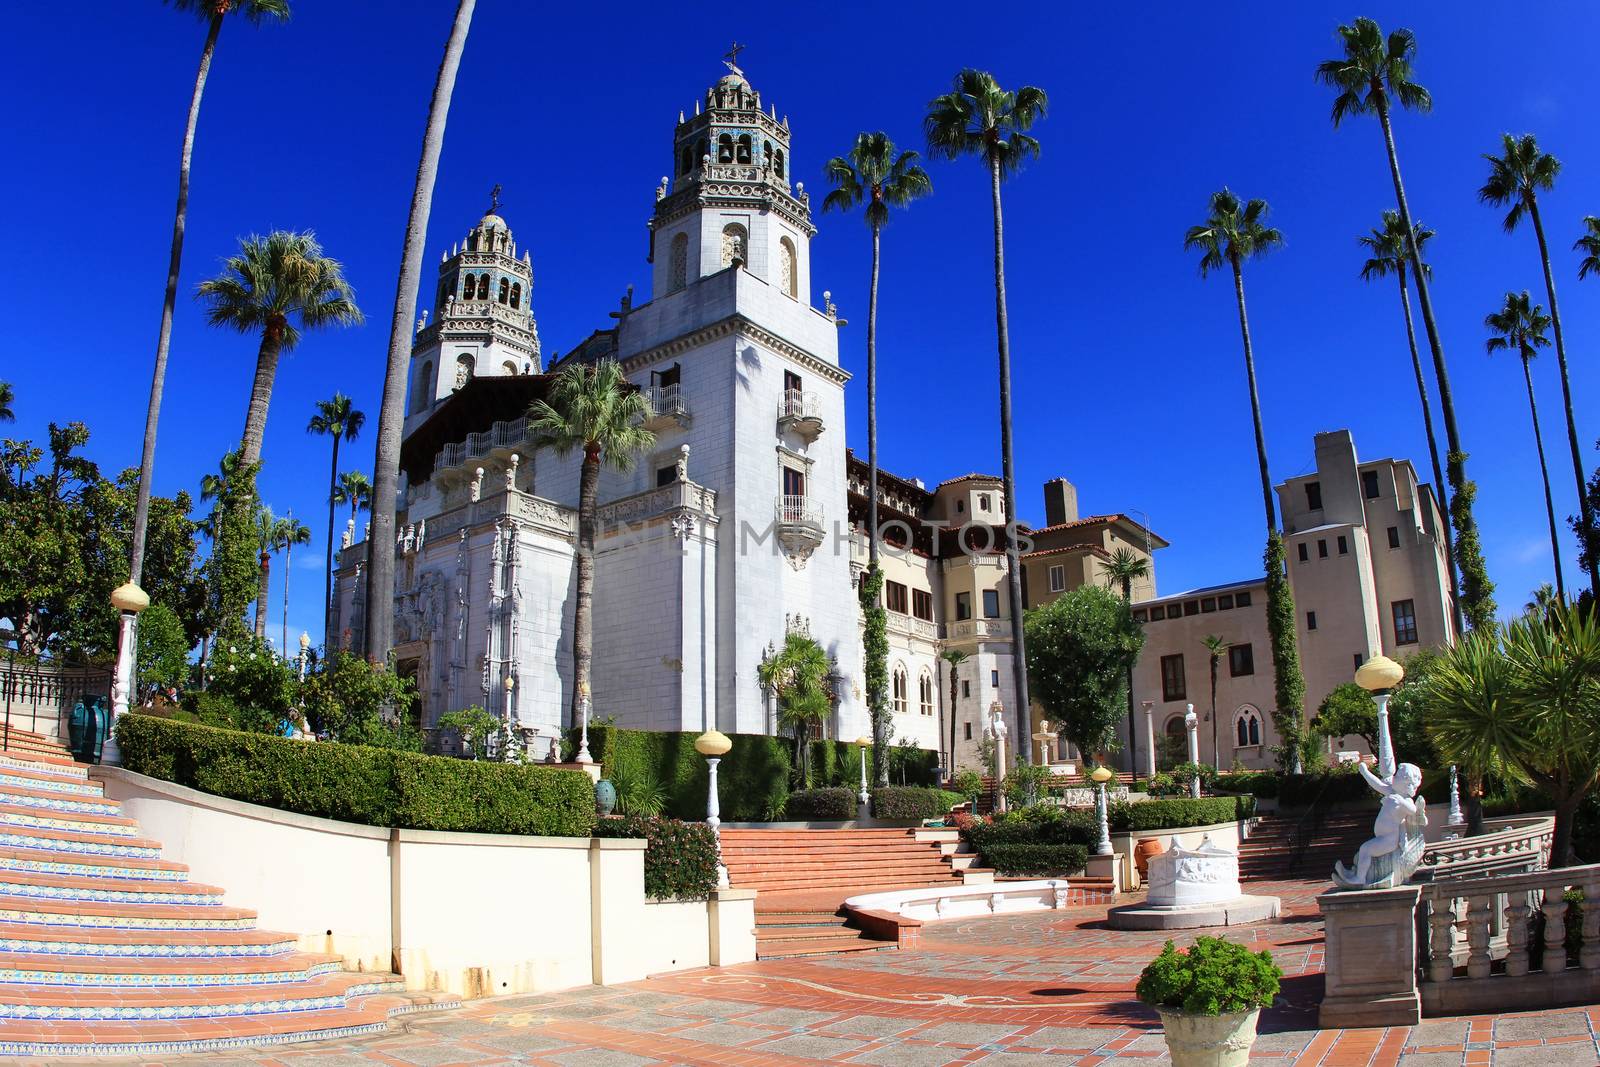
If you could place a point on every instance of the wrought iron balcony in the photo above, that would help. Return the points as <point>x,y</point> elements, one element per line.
<point>506,436</point>
<point>667,406</point>
<point>801,412</point>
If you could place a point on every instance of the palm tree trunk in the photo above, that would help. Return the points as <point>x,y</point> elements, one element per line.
<point>1255,400</point>
<point>255,416</point>
<point>1476,592</point>
<point>327,576</point>
<point>1544,472</point>
<point>582,612</point>
<point>1433,448</point>
<point>391,413</point>
<point>1586,513</point>
<point>1216,756</point>
<point>1019,652</point>
<point>158,377</point>
<point>283,634</point>
<point>954,691</point>
<point>872,406</point>
<point>262,581</point>
<point>1133,740</point>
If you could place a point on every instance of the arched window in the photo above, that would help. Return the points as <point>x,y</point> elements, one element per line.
<point>423,391</point>
<point>900,690</point>
<point>725,148</point>
<point>742,153</point>
<point>469,286</point>
<point>509,366</point>
<point>788,269</point>
<point>1247,727</point>
<point>516,295</point>
<point>734,241</point>
<point>483,287</point>
<point>925,694</point>
<point>678,274</point>
<point>465,365</point>
<point>777,163</point>
<point>766,153</point>
<point>505,290</point>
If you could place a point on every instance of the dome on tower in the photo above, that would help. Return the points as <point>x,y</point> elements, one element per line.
<point>491,221</point>
<point>733,79</point>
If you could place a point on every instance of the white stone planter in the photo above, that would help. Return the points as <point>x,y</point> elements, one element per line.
<point>1209,1040</point>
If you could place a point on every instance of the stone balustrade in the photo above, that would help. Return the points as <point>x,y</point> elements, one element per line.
<point>1521,843</point>
<point>507,435</point>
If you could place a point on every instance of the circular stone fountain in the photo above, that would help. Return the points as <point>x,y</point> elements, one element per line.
<point>1193,887</point>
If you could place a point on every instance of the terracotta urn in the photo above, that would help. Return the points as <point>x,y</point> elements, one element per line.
<point>1147,847</point>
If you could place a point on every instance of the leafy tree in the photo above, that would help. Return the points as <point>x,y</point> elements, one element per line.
<point>163,653</point>
<point>1232,233</point>
<point>346,698</point>
<point>233,571</point>
<point>954,657</point>
<point>1216,647</point>
<point>1348,711</point>
<point>874,173</point>
<point>355,490</point>
<point>979,118</point>
<point>1374,73</point>
<point>8,397</point>
<point>1409,712</point>
<point>392,412</point>
<point>337,418</point>
<point>1080,648</point>
<point>474,726</point>
<point>1123,569</point>
<point>213,12</point>
<point>260,684</point>
<point>1519,327</point>
<point>590,408</point>
<point>1516,178</point>
<point>797,675</point>
<point>1391,254</point>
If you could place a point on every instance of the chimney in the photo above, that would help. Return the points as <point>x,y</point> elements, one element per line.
<point>1060,502</point>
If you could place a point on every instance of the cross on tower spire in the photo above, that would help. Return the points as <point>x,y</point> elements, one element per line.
<point>730,59</point>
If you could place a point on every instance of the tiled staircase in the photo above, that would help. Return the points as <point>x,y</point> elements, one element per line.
<point>107,949</point>
<point>804,876</point>
<point>1268,854</point>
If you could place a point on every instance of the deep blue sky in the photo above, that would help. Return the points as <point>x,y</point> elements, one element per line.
<point>1130,380</point>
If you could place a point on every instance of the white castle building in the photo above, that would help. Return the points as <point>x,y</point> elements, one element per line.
<point>733,530</point>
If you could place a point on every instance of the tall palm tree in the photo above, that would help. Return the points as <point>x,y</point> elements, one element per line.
<point>1542,601</point>
<point>7,397</point>
<point>1589,243</point>
<point>1372,70</point>
<point>337,418</point>
<point>1519,327</point>
<point>354,489</point>
<point>269,535</point>
<point>593,409</point>
<point>213,12</point>
<point>392,411</point>
<point>1391,254</point>
<point>291,532</point>
<point>875,173</point>
<point>1124,568</point>
<point>211,487</point>
<point>278,285</point>
<point>1516,177</point>
<point>1232,233</point>
<point>955,657</point>
<point>979,118</point>
<point>1215,646</point>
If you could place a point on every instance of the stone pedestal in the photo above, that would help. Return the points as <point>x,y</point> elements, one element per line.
<point>1371,958</point>
<point>1192,888</point>
<point>1109,866</point>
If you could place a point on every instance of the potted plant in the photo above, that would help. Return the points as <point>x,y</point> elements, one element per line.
<point>1209,999</point>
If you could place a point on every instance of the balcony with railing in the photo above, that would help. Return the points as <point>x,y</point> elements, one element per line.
<point>801,412</point>
<point>507,436</point>
<point>667,407</point>
<point>799,525</point>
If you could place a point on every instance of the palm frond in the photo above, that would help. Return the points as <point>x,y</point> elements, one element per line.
<point>593,406</point>
<point>1589,242</point>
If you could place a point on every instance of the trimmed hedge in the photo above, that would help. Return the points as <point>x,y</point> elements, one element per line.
<point>1176,814</point>
<point>834,802</point>
<point>1033,826</point>
<point>1256,783</point>
<point>1035,859</point>
<point>354,783</point>
<point>680,858</point>
<point>912,802</point>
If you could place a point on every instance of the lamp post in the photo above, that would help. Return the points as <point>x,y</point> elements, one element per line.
<point>305,652</point>
<point>1150,738</point>
<point>863,743</point>
<point>511,711</point>
<point>1378,676</point>
<point>583,727</point>
<point>1101,775</point>
<point>1191,722</point>
<point>713,745</point>
<point>129,600</point>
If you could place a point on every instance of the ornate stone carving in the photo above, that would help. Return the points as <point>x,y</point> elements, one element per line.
<point>1390,856</point>
<point>1180,877</point>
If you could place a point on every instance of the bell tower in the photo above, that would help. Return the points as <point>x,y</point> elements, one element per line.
<point>482,316</point>
<point>729,200</point>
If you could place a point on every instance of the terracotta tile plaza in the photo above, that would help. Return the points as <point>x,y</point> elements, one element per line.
<point>1006,991</point>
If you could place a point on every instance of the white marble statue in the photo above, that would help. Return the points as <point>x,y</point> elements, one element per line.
<point>1183,877</point>
<point>1389,856</point>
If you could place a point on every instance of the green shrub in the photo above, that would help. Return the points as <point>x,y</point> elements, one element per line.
<point>345,697</point>
<point>827,804</point>
<point>1215,977</point>
<point>1027,784</point>
<point>912,802</point>
<point>1256,783</point>
<point>680,858</point>
<point>967,782</point>
<point>752,780</point>
<point>357,783</point>
<point>1023,858</point>
<point>1034,826</point>
<point>1341,785</point>
<point>1175,814</point>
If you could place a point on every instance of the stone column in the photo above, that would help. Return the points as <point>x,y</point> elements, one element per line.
<point>1150,738</point>
<point>1191,722</point>
<point>1371,958</point>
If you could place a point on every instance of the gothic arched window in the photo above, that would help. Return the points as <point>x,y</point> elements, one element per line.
<point>766,153</point>
<point>509,366</point>
<point>900,690</point>
<point>465,365</point>
<point>925,694</point>
<point>516,295</point>
<point>725,148</point>
<point>424,388</point>
<point>469,285</point>
<point>1247,727</point>
<point>742,155</point>
<point>777,163</point>
<point>678,275</point>
<point>788,269</point>
<point>505,290</point>
<point>483,287</point>
<point>734,245</point>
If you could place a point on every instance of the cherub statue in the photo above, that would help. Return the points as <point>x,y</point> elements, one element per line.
<point>1402,809</point>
